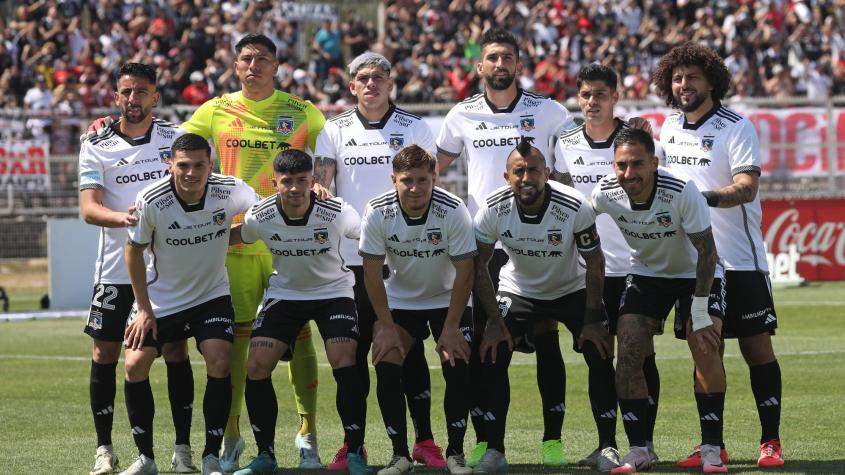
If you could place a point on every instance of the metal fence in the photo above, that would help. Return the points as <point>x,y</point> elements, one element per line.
<point>802,142</point>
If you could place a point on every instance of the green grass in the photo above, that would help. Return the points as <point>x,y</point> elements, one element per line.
<point>47,429</point>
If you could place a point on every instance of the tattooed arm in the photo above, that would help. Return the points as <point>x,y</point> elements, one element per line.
<point>743,190</point>
<point>564,178</point>
<point>706,334</point>
<point>495,331</point>
<point>706,267</point>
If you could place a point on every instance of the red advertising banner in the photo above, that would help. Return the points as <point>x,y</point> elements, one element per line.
<point>817,230</point>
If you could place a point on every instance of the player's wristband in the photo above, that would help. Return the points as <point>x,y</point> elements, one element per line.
<point>712,198</point>
<point>698,314</point>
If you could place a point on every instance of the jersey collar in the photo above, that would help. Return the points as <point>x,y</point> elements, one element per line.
<point>547,195</point>
<point>131,140</point>
<point>295,222</point>
<point>188,208</point>
<point>647,205</point>
<point>509,108</point>
<point>607,143</point>
<point>716,106</point>
<point>381,123</point>
<point>410,221</point>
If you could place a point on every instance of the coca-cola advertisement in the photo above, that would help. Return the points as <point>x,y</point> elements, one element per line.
<point>817,229</point>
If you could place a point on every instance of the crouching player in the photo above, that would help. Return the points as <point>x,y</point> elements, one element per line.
<point>426,236</point>
<point>309,282</point>
<point>184,219</point>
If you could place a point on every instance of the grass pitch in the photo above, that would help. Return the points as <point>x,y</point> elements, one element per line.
<point>47,428</point>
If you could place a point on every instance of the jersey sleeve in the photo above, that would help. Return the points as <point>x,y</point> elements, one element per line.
<point>249,230</point>
<point>142,232</point>
<point>200,122</point>
<point>244,196</point>
<point>372,243</point>
<point>743,149</point>
<point>326,141</point>
<point>91,171</point>
<point>350,221</point>
<point>586,236</point>
<point>660,154</point>
<point>423,138</point>
<point>558,116</point>
<point>461,239</point>
<point>485,225</point>
<point>695,214</point>
<point>316,120</point>
<point>560,158</point>
<point>597,200</point>
<point>449,141</point>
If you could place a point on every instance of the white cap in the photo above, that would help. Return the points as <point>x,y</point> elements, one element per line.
<point>196,76</point>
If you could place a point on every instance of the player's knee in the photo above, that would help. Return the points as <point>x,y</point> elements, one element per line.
<point>757,350</point>
<point>175,352</point>
<point>341,353</point>
<point>106,352</point>
<point>136,368</point>
<point>217,360</point>
<point>258,368</point>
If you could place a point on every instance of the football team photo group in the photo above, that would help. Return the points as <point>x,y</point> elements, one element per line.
<point>257,216</point>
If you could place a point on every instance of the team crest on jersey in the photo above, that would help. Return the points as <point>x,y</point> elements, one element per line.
<point>219,217</point>
<point>555,237</point>
<point>707,143</point>
<point>321,235</point>
<point>165,154</point>
<point>434,236</point>
<point>526,123</point>
<point>664,220</point>
<point>284,124</point>
<point>397,142</point>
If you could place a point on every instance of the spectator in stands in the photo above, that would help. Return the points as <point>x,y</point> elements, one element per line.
<point>196,92</point>
<point>326,46</point>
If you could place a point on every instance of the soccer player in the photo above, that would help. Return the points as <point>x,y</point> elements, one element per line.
<point>309,282</point>
<point>113,168</point>
<point>543,226</point>
<point>183,292</point>
<point>487,127</point>
<point>667,225</point>
<point>583,156</point>
<point>355,150</point>
<point>249,128</point>
<point>425,234</point>
<point>718,149</point>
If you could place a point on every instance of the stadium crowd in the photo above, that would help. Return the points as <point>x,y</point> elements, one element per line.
<point>63,54</point>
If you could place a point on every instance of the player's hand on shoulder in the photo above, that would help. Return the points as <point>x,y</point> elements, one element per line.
<point>495,333</point>
<point>385,340</point>
<point>97,128</point>
<point>129,218</point>
<point>640,123</point>
<point>322,192</point>
<point>452,345</point>
<point>597,333</point>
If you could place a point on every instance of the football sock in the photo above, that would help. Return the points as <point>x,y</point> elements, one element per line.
<point>350,406</point>
<point>417,385</point>
<point>215,409</point>
<point>551,380</point>
<point>710,409</point>
<point>497,397</point>
<point>634,415</point>
<point>263,411</point>
<point>302,374</point>
<point>102,388</point>
<point>476,399</point>
<point>237,369</point>
<point>180,389</point>
<point>766,386</point>
<point>652,380</point>
<point>140,408</point>
<point>392,404</point>
<point>456,404</point>
<point>602,391</point>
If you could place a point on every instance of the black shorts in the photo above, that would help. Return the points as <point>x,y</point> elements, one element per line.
<point>283,319</point>
<point>214,319</point>
<point>418,322</point>
<point>614,287</point>
<point>366,315</point>
<point>522,313</point>
<point>497,261</point>
<point>749,307</point>
<point>111,305</point>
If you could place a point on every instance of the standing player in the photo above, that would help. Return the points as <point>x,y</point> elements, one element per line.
<point>543,226</point>
<point>718,149</point>
<point>425,235</point>
<point>249,128</point>
<point>355,150</point>
<point>665,222</point>
<point>487,127</point>
<point>309,282</point>
<point>113,168</point>
<point>582,157</point>
<point>184,219</point>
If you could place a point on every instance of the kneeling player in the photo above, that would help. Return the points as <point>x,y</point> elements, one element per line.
<point>666,222</point>
<point>543,227</point>
<point>425,234</point>
<point>185,220</point>
<point>310,282</point>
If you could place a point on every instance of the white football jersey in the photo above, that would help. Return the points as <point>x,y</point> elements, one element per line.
<point>710,153</point>
<point>657,230</point>
<point>306,258</point>
<point>364,154</point>
<point>543,249</point>
<point>487,135</point>
<point>188,243</point>
<point>120,167</point>
<point>419,252</point>
<point>588,161</point>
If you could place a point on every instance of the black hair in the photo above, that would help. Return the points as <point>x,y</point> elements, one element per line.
<point>292,161</point>
<point>597,72</point>
<point>137,69</point>
<point>692,54</point>
<point>253,39</point>
<point>632,136</point>
<point>525,147</point>
<point>190,142</point>
<point>413,156</point>
<point>498,35</point>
